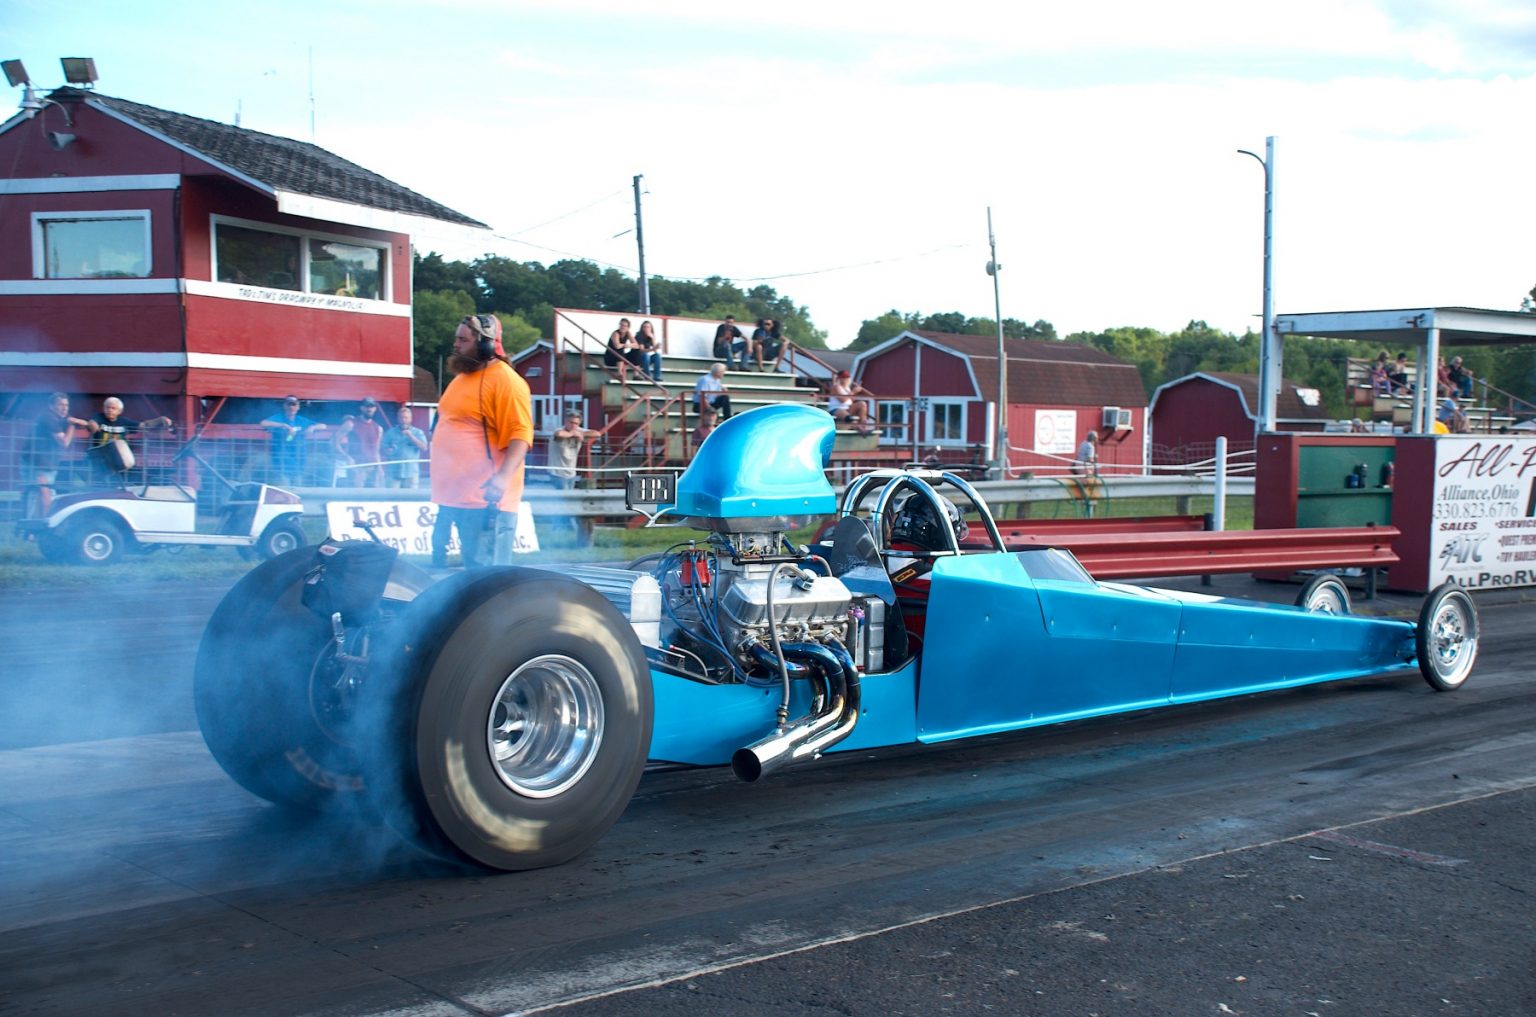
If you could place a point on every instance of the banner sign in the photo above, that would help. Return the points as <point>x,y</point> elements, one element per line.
<point>1484,512</point>
<point>406,526</point>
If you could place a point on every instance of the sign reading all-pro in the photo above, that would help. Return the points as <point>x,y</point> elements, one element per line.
<point>1484,512</point>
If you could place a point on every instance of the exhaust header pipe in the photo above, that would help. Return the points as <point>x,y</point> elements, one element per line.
<point>813,733</point>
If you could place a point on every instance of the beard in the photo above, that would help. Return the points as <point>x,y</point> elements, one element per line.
<point>458,363</point>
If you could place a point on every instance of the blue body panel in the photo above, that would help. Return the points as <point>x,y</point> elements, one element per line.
<point>703,724</point>
<point>763,463</point>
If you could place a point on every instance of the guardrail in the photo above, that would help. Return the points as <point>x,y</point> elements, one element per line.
<point>1133,555</point>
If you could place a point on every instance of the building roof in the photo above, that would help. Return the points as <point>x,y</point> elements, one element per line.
<point>1292,403</point>
<point>279,164</point>
<point>1046,372</point>
<point>1457,326</point>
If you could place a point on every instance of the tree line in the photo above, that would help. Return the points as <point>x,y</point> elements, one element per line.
<point>524,295</point>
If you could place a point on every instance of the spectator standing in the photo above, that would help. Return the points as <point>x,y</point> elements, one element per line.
<point>112,426</point>
<point>650,350</point>
<point>730,345</point>
<point>1088,456</point>
<point>710,390</point>
<point>401,449</point>
<point>52,433</point>
<point>565,448</point>
<point>342,439</point>
<point>367,433</point>
<point>290,431</point>
<point>484,428</point>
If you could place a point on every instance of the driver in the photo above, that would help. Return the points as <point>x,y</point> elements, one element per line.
<point>915,533</point>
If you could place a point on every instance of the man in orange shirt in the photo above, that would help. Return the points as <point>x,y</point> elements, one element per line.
<point>484,428</point>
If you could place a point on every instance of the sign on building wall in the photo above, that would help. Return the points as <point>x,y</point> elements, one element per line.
<point>1484,519</point>
<point>1056,432</point>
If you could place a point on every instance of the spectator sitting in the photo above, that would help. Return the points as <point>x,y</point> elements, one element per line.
<point>711,391</point>
<point>729,344</point>
<point>767,341</point>
<point>1461,379</point>
<point>1451,416</point>
<point>623,351</point>
<point>650,350</point>
<point>841,403</point>
<point>1399,375</point>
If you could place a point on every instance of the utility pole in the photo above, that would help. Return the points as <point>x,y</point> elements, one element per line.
<point>645,285</point>
<point>1270,362</point>
<point>1000,459</point>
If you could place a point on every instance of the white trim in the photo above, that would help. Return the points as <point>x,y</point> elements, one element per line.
<point>294,298</point>
<point>73,185</point>
<point>39,256</point>
<point>209,361</point>
<point>289,365</point>
<point>330,210</point>
<point>963,403</point>
<point>85,287</point>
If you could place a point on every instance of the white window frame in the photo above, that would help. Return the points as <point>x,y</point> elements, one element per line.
<point>549,411</point>
<point>39,247</point>
<point>893,419</point>
<point>935,406</point>
<point>386,276</point>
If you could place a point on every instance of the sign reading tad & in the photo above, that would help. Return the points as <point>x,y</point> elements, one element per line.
<point>1484,528</point>
<point>406,526</point>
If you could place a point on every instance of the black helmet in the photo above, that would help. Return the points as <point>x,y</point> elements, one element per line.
<point>915,523</point>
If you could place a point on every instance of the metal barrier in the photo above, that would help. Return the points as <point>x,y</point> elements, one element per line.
<point>1138,555</point>
<point>1123,524</point>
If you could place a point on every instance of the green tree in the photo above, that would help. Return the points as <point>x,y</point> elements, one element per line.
<point>435,316</point>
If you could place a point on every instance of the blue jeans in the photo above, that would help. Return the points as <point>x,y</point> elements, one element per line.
<point>472,524</point>
<point>652,364</point>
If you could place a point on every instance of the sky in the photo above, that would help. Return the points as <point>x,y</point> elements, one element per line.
<point>846,152</point>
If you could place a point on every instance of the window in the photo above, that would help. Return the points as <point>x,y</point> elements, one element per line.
<point>257,258</point>
<point>347,270</point>
<point>249,255</point>
<point>95,245</point>
<point>946,421</point>
<point>892,418</point>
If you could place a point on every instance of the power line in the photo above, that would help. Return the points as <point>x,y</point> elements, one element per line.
<point>565,215</point>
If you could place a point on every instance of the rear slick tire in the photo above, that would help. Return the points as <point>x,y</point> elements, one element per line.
<point>523,708</point>
<point>1446,638</point>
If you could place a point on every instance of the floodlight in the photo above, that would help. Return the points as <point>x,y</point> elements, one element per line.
<point>79,70</point>
<point>15,73</point>
<point>59,140</point>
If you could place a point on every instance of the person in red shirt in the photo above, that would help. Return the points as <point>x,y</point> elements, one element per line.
<point>481,439</point>
<point>367,432</point>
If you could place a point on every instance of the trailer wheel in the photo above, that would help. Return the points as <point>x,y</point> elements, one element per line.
<point>1325,594</point>
<point>523,705</point>
<point>1446,638</point>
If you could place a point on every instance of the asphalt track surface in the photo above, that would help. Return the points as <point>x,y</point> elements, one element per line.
<point>1362,848</point>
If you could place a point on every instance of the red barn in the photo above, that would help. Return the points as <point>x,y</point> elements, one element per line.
<point>936,392</point>
<point>156,255</point>
<point>1189,413</point>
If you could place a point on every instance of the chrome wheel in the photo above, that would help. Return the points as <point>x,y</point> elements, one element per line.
<point>1325,595</point>
<point>1447,637</point>
<point>545,726</point>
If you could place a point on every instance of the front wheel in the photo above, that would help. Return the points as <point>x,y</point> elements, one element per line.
<point>1325,594</point>
<point>1446,638</point>
<point>523,704</point>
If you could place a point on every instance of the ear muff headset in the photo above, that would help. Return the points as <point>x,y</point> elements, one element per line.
<point>486,327</point>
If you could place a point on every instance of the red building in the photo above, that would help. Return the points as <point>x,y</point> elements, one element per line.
<point>179,263</point>
<point>1189,413</point>
<point>936,393</point>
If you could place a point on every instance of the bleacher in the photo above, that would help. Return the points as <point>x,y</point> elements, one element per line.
<point>657,418</point>
<point>1368,404</point>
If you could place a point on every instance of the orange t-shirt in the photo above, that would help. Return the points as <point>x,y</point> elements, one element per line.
<point>498,396</point>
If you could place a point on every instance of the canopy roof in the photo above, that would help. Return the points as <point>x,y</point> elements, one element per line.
<point>1458,326</point>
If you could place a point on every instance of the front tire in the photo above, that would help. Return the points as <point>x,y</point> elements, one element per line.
<point>1446,638</point>
<point>524,707</point>
<point>1325,594</point>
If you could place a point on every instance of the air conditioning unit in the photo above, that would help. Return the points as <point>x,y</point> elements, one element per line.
<point>1116,419</point>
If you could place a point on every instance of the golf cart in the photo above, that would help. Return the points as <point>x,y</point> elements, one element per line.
<point>99,526</point>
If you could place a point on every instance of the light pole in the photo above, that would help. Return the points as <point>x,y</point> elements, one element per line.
<point>1000,460</point>
<point>1269,347</point>
<point>645,285</point>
